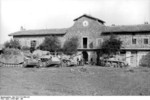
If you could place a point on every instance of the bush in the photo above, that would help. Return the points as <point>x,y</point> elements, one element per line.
<point>12,55</point>
<point>145,61</point>
<point>12,44</point>
<point>11,51</point>
<point>51,44</point>
<point>109,48</point>
<point>70,46</point>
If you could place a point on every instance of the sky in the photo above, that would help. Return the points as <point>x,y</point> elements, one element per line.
<point>46,14</point>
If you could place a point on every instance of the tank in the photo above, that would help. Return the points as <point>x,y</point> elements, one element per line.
<point>113,62</point>
<point>31,61</point>
<point>11,58</point>
<point>74,60</point>
<point>42,59</point>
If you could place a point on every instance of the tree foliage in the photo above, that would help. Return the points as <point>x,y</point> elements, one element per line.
<point>13,43</point>
<point>51,44</point>
<point>70,46</point>
<point>111,46</point>
<point>145,61</point>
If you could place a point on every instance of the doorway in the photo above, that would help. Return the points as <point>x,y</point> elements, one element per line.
<point>85,56</point>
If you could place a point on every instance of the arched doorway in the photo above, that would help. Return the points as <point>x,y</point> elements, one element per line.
<point>85,56</point>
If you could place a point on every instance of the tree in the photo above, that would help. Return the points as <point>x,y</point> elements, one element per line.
<point>145,61</point>
<point>51,44</point>
<point>111,46</point>
<point>70,46</point>
<point>13,43</point>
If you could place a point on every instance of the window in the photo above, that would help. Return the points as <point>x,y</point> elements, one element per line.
<point>84,42</point>
<point>145,41</point>
<point>134,41</point>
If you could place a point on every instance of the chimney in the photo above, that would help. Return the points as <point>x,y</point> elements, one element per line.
<point>21,28</point>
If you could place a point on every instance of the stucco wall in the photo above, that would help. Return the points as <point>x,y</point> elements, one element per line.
<point>26,40</point>
<point>133,58</point>
<point>140,54</point>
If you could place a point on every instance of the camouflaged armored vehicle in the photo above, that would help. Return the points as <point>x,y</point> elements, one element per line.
<point>113,62</point>
<point>41,59</point>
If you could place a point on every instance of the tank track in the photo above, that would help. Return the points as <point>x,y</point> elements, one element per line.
<point>2,64</point>
<point>43,64</point>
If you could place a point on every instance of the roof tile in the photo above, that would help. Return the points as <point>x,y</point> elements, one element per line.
<point>127,28</point>
<point>39,32</point>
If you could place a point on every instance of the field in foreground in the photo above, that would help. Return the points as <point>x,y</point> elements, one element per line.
<point>87,80</point>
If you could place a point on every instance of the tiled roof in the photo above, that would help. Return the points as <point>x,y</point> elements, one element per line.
<point>135,48</point>
<point>40,32</point>
<point>127,28</point>
<point>91,17</point>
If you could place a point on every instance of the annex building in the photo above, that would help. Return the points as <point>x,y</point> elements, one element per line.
<point>91,32</point>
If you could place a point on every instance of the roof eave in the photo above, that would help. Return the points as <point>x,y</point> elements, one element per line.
<point>35,34</point>
<point>10,34</point>
<point>126,31</point>
<point>89,17</point>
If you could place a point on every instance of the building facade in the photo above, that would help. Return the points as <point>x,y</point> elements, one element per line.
<point>91,33</point>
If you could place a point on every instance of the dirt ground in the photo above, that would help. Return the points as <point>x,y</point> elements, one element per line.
<point>87,80</point>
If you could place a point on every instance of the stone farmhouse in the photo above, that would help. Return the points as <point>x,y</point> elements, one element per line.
<point>91,32</point>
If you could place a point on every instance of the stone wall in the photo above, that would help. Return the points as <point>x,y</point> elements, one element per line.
<point>92,31</point>
<point>133,52</point>
<point>127,40</point>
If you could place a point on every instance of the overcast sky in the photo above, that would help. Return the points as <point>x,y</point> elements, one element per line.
<point>43,14</point>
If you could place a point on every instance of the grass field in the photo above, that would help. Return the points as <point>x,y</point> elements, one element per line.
<point>87,80</point>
